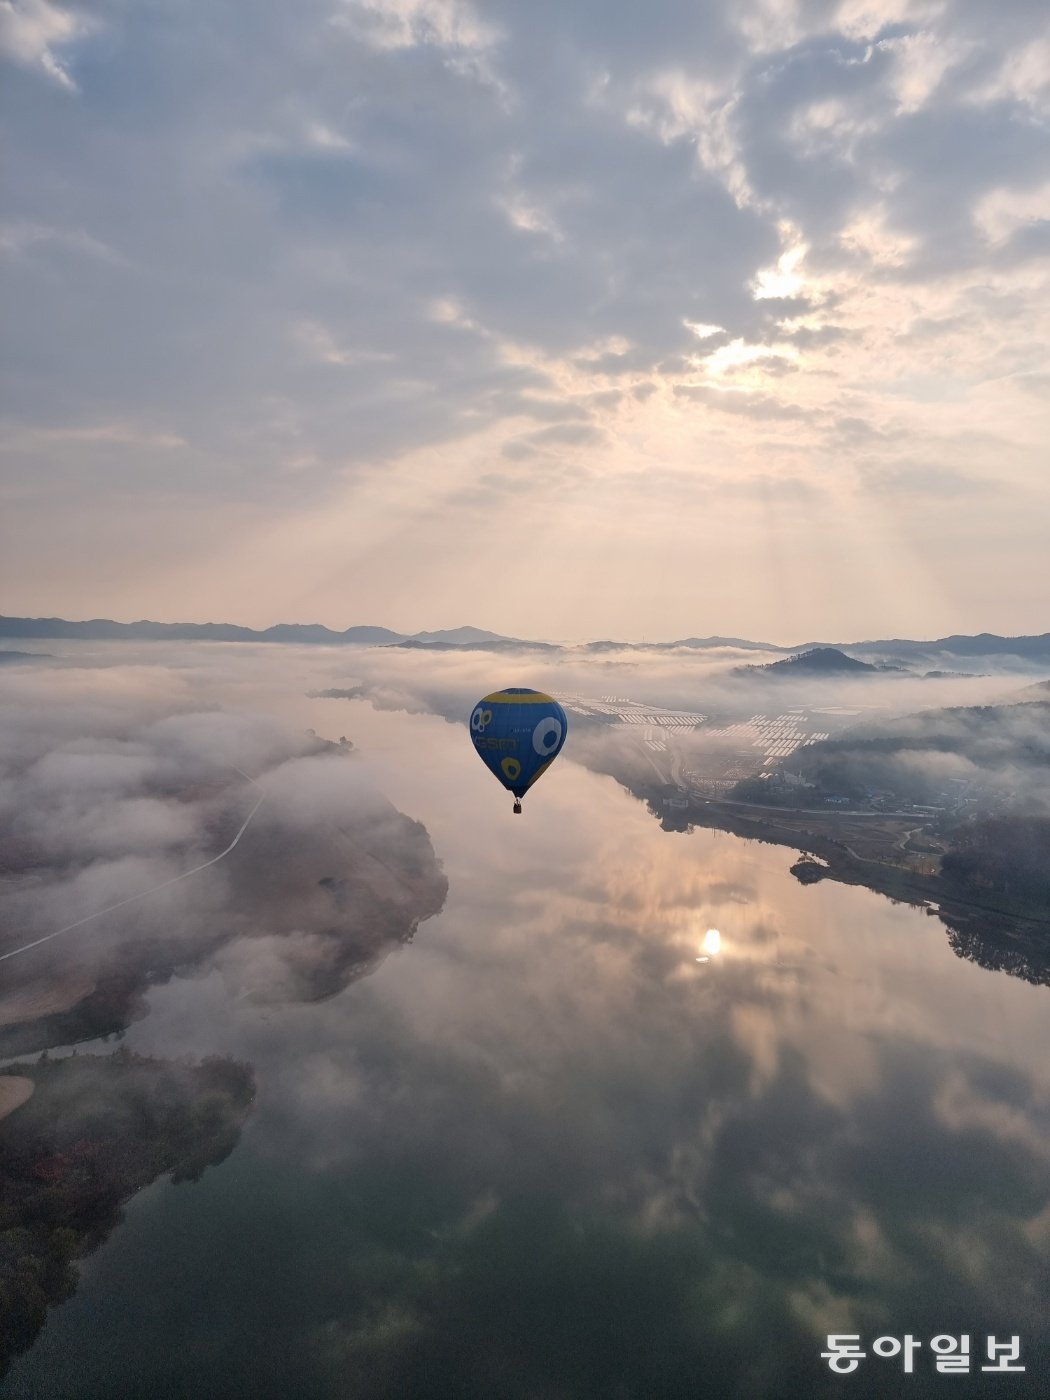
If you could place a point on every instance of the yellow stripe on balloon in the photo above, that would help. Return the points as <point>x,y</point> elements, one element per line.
<point>506,697</point>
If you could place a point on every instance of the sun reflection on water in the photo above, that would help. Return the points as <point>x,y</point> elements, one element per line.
<point>711,945</point>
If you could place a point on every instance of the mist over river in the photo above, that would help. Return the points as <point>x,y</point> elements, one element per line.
<point>568,1143</point>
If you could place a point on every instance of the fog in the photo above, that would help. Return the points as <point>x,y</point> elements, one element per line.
<point>121,780</point>
<point>912,733</point>
<point>118,798</point>
<point>1000,751</point>
<point>546,1139</point>
<point>126,769</point>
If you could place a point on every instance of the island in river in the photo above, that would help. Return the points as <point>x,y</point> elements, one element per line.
<point>79,1136</point>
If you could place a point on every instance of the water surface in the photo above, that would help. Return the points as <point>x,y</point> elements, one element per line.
<point>561,1147</point>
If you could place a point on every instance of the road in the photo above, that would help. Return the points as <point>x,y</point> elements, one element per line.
<point>88,918</point>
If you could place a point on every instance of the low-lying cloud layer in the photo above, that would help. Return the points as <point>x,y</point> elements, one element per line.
<point>107,794</point>
<point>550,1142</point>
<point>999,749</point>
<point>159,754</point>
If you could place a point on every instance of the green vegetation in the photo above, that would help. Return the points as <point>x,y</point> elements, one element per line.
<point>96,1129</point>
<point>769,792</point>
<point>1008,857</point>
<point>817,661</point>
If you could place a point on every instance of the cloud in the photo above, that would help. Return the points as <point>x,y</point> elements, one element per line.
<point>758,406</point>
<point>342,268</point>
<point>33,31</point>
<point>564,435</point>
<point>940,482</point>
<point>398,24</point>
<point>100,806</point>
<point>17,238</point>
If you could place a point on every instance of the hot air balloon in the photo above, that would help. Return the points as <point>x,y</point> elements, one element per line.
<point>518,733</point>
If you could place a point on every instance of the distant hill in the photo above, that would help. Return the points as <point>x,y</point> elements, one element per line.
<point>498,644</point>
<point>1038,692</point>
<point>890,653</point>
<point>821,661</point>
<point>952,675</point>
<point>894,651</point>
<point>315,632</point>
<point>1036,648</point>
<point>689,643</point>
<point>459,636</point>
<point>9,658</point>
<point>738,643</point>
<point>103,629</point>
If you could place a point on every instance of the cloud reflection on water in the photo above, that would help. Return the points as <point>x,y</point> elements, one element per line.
<point>545,1152</point>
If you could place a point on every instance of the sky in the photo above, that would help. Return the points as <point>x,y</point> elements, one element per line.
<point>562,320</point>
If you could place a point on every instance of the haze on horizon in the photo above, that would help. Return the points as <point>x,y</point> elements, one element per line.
<point>564,321</point>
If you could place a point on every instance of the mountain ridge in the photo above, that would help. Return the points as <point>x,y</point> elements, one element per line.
<point>1028,647</point>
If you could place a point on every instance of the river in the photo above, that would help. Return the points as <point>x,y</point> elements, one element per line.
<point>568,1143</point>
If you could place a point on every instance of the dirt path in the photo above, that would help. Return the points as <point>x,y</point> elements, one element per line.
<point>45,997</point>
<point>14,1090</point>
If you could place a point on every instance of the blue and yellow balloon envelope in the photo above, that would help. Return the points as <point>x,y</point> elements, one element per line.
<point>518,733</point>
